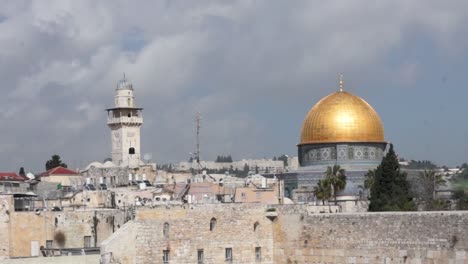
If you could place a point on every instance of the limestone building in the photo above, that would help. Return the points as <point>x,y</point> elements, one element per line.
<point>341,129</point>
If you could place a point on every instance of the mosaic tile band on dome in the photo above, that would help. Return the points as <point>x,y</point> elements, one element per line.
<point>342,117</point>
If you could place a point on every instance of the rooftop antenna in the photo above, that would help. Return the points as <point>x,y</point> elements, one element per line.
<point>197,127</point>
<point>340,81</point>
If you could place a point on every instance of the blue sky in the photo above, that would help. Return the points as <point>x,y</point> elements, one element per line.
<point>252,68</point>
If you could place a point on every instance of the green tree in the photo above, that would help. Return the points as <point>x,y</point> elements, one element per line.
<point>246,169</point>
<point>462,199</point>
<point>430,180</point>
<point>323,191</point>
<point>369,179</point>
<point>55,162</point>
<point>21,172</point>
<point>390,190</point>
<point>421,164</point>
<point>284,158</point>
<point>463,175</point>
<point>221,158</point>
<point>336,178</point>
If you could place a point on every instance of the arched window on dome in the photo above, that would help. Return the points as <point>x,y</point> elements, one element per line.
<point>212,224</point>
<point>166,229</point>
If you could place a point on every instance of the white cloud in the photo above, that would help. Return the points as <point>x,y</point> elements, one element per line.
<point>233,61</point>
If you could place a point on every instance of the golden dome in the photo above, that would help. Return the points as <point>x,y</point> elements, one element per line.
<point>342,117</point>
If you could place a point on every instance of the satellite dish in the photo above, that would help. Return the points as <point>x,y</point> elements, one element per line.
<point>30,175</point>
<point>147,157</point>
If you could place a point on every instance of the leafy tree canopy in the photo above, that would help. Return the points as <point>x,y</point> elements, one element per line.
<point>227,158</point>
<point>462,199</point>
<point>421,164</point>
<point>55,162</point>
<point>284,158</point>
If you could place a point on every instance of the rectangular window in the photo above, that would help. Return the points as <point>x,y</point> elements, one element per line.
<point>228,254</point>
<point>49,243</point>
<point>87,241</point>
<point>258,253</point>
<point>200,256</point>
<point>165,256</point>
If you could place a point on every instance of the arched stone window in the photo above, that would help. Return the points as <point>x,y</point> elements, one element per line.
<point>212,224</point>
<point>166,229</point>
<point>256,226</point>
<point>129,101</point>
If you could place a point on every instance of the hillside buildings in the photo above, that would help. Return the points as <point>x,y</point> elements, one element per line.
<point>253,165</point>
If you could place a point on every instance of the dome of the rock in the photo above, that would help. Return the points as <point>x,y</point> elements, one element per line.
<point>342,117</point>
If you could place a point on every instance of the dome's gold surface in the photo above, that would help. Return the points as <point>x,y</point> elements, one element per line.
<point>342,117</point>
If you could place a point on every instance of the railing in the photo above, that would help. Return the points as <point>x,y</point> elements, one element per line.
<point>53,252</point>
<point>125,119</point>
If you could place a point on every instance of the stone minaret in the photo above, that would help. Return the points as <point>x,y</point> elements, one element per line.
<point>125,121</point>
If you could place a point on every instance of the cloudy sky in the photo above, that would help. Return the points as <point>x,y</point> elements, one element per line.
<point>252,68</point>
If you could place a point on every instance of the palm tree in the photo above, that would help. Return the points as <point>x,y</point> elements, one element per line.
<point>370,179</point>
<point>322,191</point>
<point>336,178</point>
<point>431,180</point>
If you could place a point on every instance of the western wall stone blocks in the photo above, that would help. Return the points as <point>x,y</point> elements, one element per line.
<point>296,236</point>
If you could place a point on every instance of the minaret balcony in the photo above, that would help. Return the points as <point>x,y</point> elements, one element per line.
<point>125,120</point>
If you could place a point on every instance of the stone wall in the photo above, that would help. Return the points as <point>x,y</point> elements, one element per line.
<point>18,230</point>
<point>419,237</point>
<point>289,234</point>
<point>189,232</point>
<point>121,245</point>
<point>6,206</point>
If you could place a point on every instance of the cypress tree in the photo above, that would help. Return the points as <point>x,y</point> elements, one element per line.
<point>390,191</point>
<point>21,172</point>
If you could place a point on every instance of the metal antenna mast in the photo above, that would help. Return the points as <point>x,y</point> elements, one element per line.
<point>197,126</point>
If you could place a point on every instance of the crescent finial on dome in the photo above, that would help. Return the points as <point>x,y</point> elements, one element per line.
<point>340,81</point>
